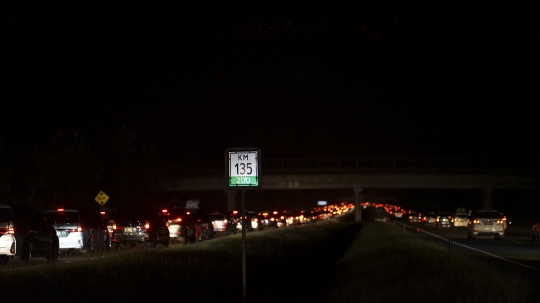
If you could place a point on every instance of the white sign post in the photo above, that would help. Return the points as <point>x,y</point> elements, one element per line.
<point>242,171</point>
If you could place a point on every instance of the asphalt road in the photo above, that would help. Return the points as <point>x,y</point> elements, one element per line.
<point>516,247</point>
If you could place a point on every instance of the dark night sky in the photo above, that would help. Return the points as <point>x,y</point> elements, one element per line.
<point>293,80</point>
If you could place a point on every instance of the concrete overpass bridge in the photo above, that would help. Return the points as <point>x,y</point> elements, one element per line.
<point>360,173</point>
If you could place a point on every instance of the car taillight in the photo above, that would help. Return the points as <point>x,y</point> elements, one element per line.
<point>179,220</point>
<point>476,221</point>
<point>147,225</point>
<point>7,230</point>
<point>10,228</point>
<point>116,226</point>
<point>80,229</point>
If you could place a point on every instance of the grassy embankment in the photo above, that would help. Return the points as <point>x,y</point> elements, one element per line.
<point>384,264</point>
<point>316,263</point>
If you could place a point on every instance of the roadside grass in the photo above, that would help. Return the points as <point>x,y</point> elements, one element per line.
<point>278,262</point>
<point>384,264</point>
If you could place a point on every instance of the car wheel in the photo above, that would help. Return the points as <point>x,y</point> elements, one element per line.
<point>153,241</point>
<point>108,245</point>
<point>25,252</point>
<point>52,254</point>
<point>90,245</point>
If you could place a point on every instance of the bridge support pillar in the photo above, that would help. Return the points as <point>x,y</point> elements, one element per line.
<point>488,198</point>
<point>231,199</point>
<point>357,205</point>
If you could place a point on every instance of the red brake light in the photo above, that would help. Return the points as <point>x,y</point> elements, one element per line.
<point>78,229</point>
<point>102,213</point>
<point>115,226</point>
<point>60,209</point>
<point>10,230</point>
<point>164,211</point>
<point>179,219</point>
<point>147,225</point>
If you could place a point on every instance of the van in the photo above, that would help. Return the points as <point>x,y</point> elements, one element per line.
<point>79,229</point>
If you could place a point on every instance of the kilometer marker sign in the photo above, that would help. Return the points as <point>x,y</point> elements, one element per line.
<point>243,168</point>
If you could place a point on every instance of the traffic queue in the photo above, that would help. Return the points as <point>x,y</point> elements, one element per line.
<point>25,232</point>
<point>476,223</point>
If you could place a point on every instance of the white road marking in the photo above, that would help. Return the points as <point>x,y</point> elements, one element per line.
<point>472,248</point>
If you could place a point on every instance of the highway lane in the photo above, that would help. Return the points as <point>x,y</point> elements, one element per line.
<point>516,247</point>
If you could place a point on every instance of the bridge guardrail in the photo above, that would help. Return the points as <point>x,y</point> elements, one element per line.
<point>394,165</point>
<point>382,165</point>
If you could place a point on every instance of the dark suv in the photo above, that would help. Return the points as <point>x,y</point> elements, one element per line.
<point>132,227</point>
<point>28,234</point>
<point>203,225</point>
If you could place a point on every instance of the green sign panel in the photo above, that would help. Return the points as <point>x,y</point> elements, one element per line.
<point>243,167</point>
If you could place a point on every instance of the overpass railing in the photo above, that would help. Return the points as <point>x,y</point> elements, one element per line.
<point>394,165</point>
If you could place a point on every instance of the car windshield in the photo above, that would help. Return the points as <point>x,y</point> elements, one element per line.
<point>5,214</point>
<point>174,214</point>
<point>488,215</point>
<point>62,217</point>
<point>133,217</point>
<point>217,216</point>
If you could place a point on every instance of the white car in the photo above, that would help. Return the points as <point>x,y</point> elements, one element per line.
<point>486,223</point>
<point>460,220</point>
<point>219,221</point>
<point>79,229</point>
<point>7,234</point>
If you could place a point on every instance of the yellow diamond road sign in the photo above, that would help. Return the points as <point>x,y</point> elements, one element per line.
<point>101,198</point>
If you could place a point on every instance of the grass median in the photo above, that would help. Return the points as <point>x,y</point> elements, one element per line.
<point>323,262</point>
<point>383,264</point>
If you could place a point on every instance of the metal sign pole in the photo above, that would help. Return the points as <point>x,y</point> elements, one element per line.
<point>242,168</point>
<point>244,226</point>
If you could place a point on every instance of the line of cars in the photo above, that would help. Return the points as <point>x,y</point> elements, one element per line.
<point>26,232</point>
<point>491,223</point>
